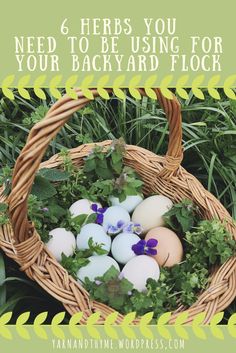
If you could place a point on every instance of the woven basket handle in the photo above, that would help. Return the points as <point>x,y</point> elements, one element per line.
<point>43,132</point>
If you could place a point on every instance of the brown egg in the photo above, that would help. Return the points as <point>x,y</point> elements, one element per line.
<point>169,247</point>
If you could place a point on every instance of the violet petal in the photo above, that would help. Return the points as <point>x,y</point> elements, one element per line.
<point>138,249</point>
<point>120,224</point>
<point>99,219</point>
<point>142,242</point>
<point>112,229</point>
<point>128,228</point>
<point>94,207</point>
<point>102,209</point>
<point>150,251</point>
<point>137,225</point>
<point>152,243</point>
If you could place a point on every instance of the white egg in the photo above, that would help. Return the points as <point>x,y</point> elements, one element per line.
<point>122,247</point>
<point>114,215</point>
<point>97,266</point>
<point>139,269</point>
<point>149,213</point>
<point>128,204</point>
<point>97,233</point>
<point>82,206</point>
<point>61,241</point>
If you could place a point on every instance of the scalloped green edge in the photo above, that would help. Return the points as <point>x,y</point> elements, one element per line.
<point>9,85</point>
<point>110,327</point>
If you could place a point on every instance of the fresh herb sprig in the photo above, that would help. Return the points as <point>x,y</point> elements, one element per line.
<point>102,175</point>
<point>182,216</point>
<point>4,219</point>
<point>209,243</point>
<point>111,289</point>
<point>80,258</point>
<point>6,179</point>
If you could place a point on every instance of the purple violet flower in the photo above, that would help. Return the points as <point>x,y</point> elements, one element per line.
<point>133,228</point>
<point>99,212</point>
<point>120,224</point>
<point>45,209</point>
<point>143,247</point>
<point>111,229</point>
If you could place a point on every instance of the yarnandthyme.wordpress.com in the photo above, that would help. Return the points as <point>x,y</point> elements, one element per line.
<point>122,344</point>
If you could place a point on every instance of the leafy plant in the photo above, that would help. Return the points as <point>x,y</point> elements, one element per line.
<point>102,175</point>
<point>80,258</point>
<point>182,216</point>
<point>74,224</point>
<point>128,183</point>
<point>215,242</point>
<point>5,179</point>
<point>105,165</point>
<point>35,116</point>
<point>73,263</point>
<point>3,214</point>
<point>110,288</point>
<point>44,214</point>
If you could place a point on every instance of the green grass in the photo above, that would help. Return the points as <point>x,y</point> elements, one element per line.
<point>209,136</point>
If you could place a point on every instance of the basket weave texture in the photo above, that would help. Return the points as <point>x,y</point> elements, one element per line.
<point>161,174</point>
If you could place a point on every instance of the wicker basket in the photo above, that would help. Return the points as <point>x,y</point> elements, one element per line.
<point>163,175</point>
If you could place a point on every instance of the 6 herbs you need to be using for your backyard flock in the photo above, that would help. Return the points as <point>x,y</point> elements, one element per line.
<point>144,53</point>
<point>131,252</point>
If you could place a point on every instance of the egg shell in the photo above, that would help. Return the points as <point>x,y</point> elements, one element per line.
<point>128,204</point>
<point>82,206</point>
<point>97,266</point>
<point>150,211</point>
<point>61,241</point>
<point>121,248</point>
<point>139,269</point>
<point>113,215</point>
<point>169,247</point>
<point>95,231</point>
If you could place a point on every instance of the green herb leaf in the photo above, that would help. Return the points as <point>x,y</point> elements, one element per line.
<point>3,207</point>
<point>182,216</point>
<point>96,248</point>
<point>42,188</point>
<point>53,174</point>
<point>73,263</point>
<point>110,289</point>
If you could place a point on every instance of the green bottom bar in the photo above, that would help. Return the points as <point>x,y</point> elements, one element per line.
<point>47,339</point>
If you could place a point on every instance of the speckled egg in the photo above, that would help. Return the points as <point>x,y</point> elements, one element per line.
<point>149,213</point>
<point>97,233</point>
<point>169,247</point>
<point>115,215</point>
<point>128,204</point>
<point>82,206</point>
<point>121,248</point>
<point>61,241</point>
<point>97,266</point>
<point>139,269</point>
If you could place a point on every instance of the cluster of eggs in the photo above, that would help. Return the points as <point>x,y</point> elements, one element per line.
<point>137,268</point>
